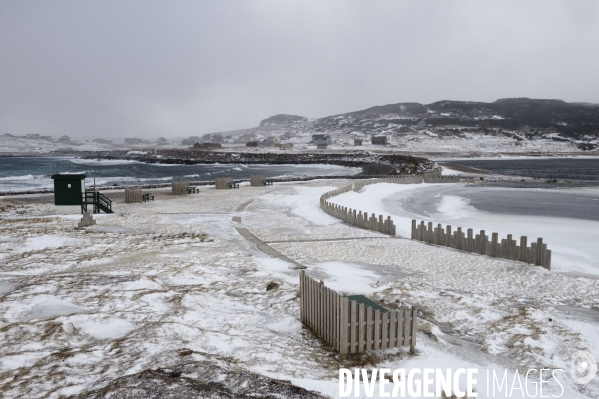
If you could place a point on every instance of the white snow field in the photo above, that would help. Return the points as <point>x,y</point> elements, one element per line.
<point>168,282</point>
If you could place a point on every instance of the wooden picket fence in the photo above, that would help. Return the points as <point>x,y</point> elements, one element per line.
<point>507,248</point>
<point>180,187</point>
<point>133,194</point>
<point>374,222</point>
<point>352,327</point>
<point>222,183</point>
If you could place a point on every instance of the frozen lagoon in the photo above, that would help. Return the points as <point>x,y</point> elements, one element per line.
<point>170,282</point>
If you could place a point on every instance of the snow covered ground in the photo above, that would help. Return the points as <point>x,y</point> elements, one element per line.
<point>159,284</point>
<point>423,144</point>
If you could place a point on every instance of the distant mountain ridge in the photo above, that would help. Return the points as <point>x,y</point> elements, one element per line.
<point>282,118</point>
<point>572,120</point>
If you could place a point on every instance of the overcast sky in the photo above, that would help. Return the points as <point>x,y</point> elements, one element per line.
<point>146,69</point>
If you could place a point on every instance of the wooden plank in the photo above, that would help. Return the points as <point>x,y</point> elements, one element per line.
<point>400,328</point>
<point>321,309</point>
<point>361,326</point>
<point>406,326</point>
<point>469,242</point>
<point>353,336</point>
<point>309,302</point>
<point>392,329</point>
<point>494,247</point>
<point>331,317</point>
<point>523,249</point>
<point>301,284</point>
<point>377,330</point>
<point>320,290</point>
<point>343,321</point>
<point>384,330</point>
<point>369,326</point>
<point>314,304</point>
<point>325,298</point>
<point>414,328</point>
<point>335,319</point>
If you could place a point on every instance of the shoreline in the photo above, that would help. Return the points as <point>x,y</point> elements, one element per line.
<point>199,183</point>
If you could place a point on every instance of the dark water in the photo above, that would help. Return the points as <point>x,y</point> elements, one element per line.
<point>586,170</point>
<point>34,173</point>
<point>535,203</point>
<point>575,204</point>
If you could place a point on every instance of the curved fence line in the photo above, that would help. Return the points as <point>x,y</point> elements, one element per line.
<point>537,253</point>
<point>507,248</point>
<point>372,221</point>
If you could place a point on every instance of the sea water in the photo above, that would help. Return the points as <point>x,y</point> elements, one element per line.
<point>18,174</point>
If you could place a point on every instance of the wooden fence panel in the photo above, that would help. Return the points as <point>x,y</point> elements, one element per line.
<point>352,327</point>
<point>483,244</point>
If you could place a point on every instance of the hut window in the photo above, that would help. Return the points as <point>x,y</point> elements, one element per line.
<point>69,185</point>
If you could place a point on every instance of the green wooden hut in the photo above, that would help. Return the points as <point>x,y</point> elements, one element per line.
<point>69,192</point>
<point>70,195</point>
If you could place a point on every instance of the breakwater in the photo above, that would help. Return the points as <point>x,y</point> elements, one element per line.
<point>194,157</point>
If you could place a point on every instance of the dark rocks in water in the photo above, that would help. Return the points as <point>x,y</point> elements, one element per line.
<point>272,286</point>
<point>376,169</point>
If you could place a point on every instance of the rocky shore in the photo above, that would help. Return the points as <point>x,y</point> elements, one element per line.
<point>193,157</point>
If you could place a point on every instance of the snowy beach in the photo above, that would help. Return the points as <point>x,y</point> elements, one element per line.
<point>171,283</point>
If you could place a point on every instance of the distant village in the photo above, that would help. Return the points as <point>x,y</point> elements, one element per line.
<point>442,127</point>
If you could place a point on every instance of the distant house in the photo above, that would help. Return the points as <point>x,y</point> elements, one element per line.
<point>101,141</point>
<point>217,138</point>
<point>378,140</point>
<point>63,138</point>
<point>321,139</point>
<point>161,141</point>
<point>245,138</point>
<point>524,129</point>
<point>190,141</point>
<point>132,141</point>
<point>252,144</point>
<point>270,142</point>
<point>404,130</point>
<point>550,130</point>
<point>357,142</point>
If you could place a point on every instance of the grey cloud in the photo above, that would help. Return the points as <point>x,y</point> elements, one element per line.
<point>177,68</point>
